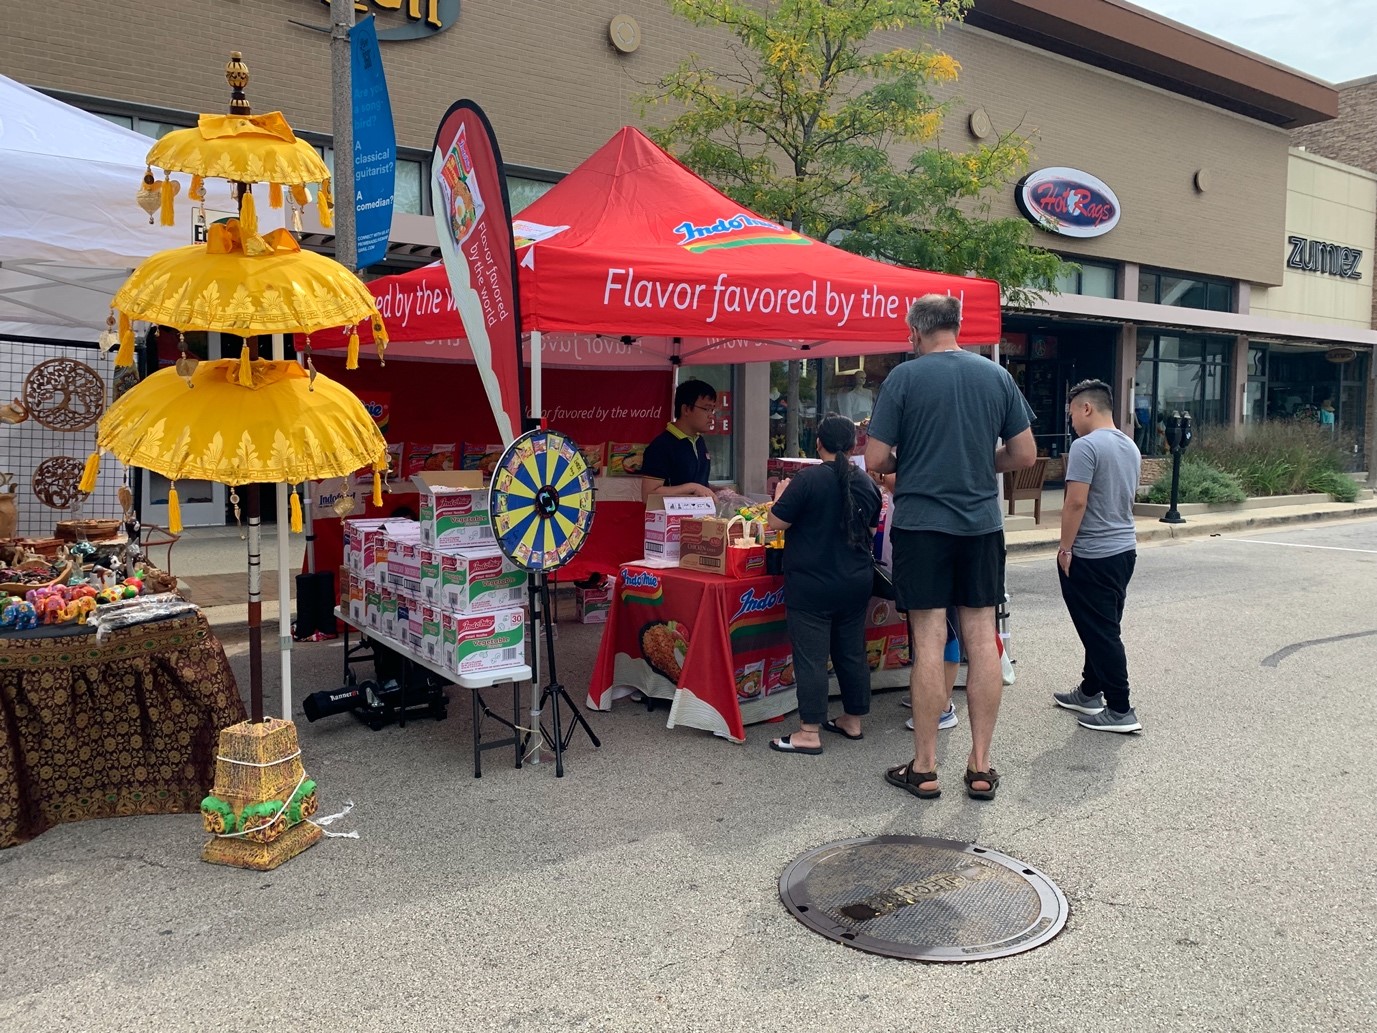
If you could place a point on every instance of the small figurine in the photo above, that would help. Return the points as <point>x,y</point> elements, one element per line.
<point>19,615</point>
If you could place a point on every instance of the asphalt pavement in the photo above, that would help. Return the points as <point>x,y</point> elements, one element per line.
<point>1218,866</point>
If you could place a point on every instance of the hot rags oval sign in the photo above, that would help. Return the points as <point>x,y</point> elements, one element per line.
<point>1069,202</point>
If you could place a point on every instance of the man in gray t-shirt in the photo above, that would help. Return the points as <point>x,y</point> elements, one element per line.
<point>1096,556</point>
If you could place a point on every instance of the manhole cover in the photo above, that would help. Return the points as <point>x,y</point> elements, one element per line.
<point>923,899</point>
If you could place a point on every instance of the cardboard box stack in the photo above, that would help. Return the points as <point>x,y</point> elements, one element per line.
<point>663,516</point>
<point>439,586</point>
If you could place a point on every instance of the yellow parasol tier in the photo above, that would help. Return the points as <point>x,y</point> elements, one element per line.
<point>281,428</point>
<point>221,286</point>
<point>241,149</point>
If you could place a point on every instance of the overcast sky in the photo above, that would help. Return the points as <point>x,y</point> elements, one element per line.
<point>1329,39</point>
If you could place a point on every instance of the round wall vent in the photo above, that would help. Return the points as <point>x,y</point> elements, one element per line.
<point>625,33</point>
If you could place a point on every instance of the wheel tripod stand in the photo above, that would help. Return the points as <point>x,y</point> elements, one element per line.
<point>542,624</point>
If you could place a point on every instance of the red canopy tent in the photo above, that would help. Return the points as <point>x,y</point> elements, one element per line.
<point>632,261</point>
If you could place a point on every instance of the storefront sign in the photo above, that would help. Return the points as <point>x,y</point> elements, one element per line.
<point>1339,356</point>
<point>423,17</point>
<point>1318,256</point>
<point>1068,202</point>
<point>375,146</point>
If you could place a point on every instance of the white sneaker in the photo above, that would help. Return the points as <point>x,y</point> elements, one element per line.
<point>947,720</point>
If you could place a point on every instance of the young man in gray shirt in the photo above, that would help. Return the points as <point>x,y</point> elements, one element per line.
<point>1096,556</point>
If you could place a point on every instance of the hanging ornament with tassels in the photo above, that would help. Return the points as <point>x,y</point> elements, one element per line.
<point>149,197</point>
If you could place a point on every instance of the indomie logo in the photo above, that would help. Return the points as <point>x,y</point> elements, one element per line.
<point>639,579</point>
<point>750,603</point>
<point>740,230</point>
<point>1068,202</point>
<point>424,17</point>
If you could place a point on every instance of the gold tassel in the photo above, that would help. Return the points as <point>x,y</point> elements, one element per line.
<point>325,205</point>
<point>124,358</point>
<point>245,367</point>
<point>275,195</point>
<point>174,511</point>
<point>352,359</point>
<point>248,216</point>
<point>89,473</point>
<point>300,195</point>
<point>380,338</point>
<point>169,192</point>
<point>295,509</point>
<point>198,189</point>
<point>377,489</point>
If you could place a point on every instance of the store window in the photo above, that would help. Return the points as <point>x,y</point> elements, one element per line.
<point>1179,373</point>
<point>1163,288</point>
<point>847,387</point>
<point>521,191</point>
<point>1092,279</point>
<point>722,435</point>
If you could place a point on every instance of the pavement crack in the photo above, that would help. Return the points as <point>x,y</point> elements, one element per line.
<point>1081,798</point>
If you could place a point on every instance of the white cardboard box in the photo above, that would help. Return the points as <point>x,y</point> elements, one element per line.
<point>479,581</point>
<point>480,642</point>
<point>662,516</point>
<point>454,509</point>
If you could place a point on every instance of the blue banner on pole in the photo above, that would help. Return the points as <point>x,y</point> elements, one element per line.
<point>375,145</point>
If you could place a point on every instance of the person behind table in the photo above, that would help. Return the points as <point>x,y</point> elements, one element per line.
<point>830,512</point>
<point>937,424</point>
<point>676,462</point>
<point>1096,557</point>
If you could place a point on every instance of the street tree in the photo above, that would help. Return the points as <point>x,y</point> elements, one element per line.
<point>825,125</point>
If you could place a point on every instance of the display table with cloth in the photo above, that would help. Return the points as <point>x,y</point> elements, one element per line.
<point>103,730</point>
<point>718,648</point>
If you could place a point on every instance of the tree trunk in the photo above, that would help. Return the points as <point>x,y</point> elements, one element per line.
<point>792,414</point>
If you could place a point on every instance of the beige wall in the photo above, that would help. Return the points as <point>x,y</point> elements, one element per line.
<point>1146,145</point>
<point>556,89</point>
<point>1333,203</point>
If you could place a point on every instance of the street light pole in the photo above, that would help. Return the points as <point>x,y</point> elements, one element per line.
<point>341,87</point>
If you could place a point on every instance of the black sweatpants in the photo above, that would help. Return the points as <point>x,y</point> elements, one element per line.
<point>814,636</point>
<point>1094,594</point>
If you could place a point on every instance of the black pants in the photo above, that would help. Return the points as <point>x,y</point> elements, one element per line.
<point>814,636</point>
<point>1094,594</point>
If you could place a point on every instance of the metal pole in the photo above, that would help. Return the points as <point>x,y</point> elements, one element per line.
<point>346,243</point>
<point>284,572</point>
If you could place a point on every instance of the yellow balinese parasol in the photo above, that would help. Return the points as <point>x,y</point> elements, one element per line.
<point>243,148</point>
<point>245,285</point>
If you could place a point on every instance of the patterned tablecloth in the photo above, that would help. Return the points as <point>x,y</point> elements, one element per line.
<point>108,730</point>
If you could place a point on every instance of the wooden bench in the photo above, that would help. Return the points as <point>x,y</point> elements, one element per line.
<point>1027,484</point>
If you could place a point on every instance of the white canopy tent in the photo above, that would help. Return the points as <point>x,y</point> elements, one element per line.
<point>70,234</point>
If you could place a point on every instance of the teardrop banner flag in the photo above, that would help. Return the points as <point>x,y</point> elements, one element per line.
<point>473,221</point>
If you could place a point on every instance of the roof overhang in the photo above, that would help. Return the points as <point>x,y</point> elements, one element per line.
<point>1138,44</point>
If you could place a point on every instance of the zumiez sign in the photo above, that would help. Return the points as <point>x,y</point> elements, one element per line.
<point>423,17</point>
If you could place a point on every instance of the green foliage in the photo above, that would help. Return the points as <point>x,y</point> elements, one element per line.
<point>1281,457</point>
<point>1200,482</point>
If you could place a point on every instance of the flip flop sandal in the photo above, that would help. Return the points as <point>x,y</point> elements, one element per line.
<point>836,729</point>
<point>783,745</point>
<point>907,779</point>
<point>991,777</point>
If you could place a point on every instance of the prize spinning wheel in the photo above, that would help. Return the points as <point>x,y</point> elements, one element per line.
<point>541,501</point>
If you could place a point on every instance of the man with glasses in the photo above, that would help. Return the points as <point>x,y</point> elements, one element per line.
<point>677,461</point>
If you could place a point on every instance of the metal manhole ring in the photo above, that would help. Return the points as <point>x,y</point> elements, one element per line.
<point>923,899</point>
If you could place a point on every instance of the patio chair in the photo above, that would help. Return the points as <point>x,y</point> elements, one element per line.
<point>1027,484</point>
<point>155,537</point>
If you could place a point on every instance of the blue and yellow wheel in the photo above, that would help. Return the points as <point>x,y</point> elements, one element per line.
<point>541,500</point>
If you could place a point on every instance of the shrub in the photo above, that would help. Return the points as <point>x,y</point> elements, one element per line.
<point>1200,482</point>
<point>1278,457</point>
<point>1340,485</point>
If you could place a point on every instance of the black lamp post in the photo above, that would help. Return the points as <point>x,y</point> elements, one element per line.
<point>1178,433</point>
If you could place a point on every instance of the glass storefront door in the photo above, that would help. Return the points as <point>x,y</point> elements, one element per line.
<point>1179,373</point>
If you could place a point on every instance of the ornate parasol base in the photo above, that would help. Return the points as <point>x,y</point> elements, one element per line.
<point>258,770</point>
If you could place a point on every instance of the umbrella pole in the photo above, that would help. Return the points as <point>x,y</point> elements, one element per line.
<point>284,572</point>
<point>253,510</point>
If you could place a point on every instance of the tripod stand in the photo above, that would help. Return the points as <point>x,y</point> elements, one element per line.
<point>542,614</point>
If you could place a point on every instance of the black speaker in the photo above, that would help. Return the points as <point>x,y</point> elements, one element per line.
<point>315,605</point>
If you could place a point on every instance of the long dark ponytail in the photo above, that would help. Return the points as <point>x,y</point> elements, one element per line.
<point>837,435</point>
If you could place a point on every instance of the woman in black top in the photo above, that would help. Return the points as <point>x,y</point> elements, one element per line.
<point>830,512</point>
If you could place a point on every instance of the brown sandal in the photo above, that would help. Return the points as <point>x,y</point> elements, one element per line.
<point>991,777</point>
<point>903,776</point>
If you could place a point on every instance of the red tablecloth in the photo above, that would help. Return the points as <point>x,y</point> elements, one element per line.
<point>718,647</point>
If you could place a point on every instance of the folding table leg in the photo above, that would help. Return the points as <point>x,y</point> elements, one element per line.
<point>477,737</point>
<point>516,721</point>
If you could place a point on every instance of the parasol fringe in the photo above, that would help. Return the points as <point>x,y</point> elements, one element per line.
<point>352,358</point>
<point>295,508</point>
<point>169,192</point>
<point>275,195</point>
<point>248,215</point>
<point>89,472</point>
<point>325,206</point>
<point>174,511</point>
<point>245,367</point>
<point>124,358</point>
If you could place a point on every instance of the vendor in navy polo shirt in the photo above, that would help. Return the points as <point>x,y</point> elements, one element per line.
<point>677,461</point>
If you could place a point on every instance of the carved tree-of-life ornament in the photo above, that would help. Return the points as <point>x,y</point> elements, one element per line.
<point>55,481</point>
<point>63,394</point>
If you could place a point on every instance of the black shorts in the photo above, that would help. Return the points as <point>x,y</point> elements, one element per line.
<point>934,570</point>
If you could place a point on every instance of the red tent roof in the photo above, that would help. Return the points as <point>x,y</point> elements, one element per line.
<point>633,244</point>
